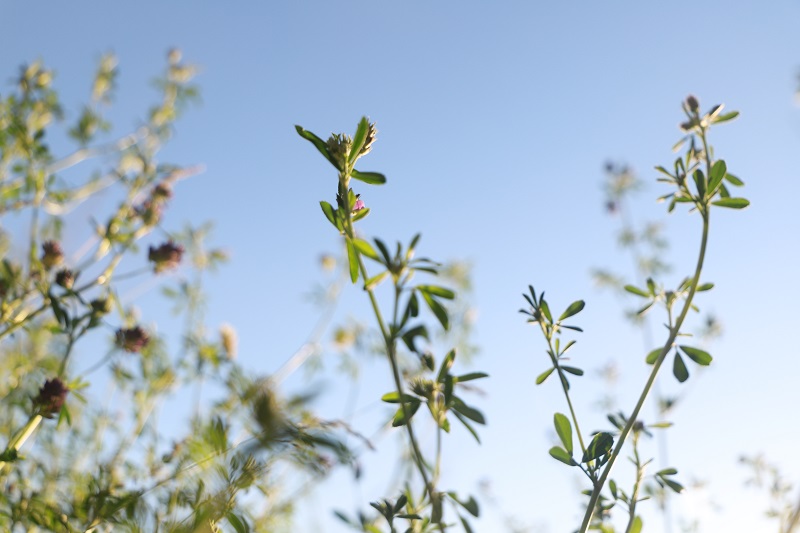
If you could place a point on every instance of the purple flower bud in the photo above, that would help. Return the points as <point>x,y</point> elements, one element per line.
<point>132,340</point>
<point>65,278</point>
<point>51,397</point>
<point>165,257</point>
<point>359,205</point>
<point>52,255</point>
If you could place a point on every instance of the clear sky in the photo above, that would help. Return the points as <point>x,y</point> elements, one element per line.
<point>495,119</point>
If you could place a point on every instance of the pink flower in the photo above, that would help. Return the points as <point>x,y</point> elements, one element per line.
<point>359,205</point>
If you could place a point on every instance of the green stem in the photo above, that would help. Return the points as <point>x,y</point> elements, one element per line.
<point>389,341</point>
<point>598,486</point>
<point>635,494</point>
<point>562,378</point>
<point>23,435</point>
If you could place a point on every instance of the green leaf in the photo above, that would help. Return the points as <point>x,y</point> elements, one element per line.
<point>359,139</point>
<point>674,485</point>
<point>384,251</point>
<point>636,525</point>
<point>465,524</point>
<point>441,292</point>
<point>564,431</point>
<point>373,282</point>
<point>318,143</point>
<point>612,485</point>
<point>601,445</point>
<point>573,309</point>
<point>372,178</point>
<point>700,182</point>
<point>652,356</point>
<point>725,118</point>
<point>352,257</point>
<point>705,287</point>
<point>330,212</point>
<point>447,364</point>
<point>679,369</point>
<point>470,505</point>
<point>700,357</point>
<point>437,309</point>
<point>361,213</point>
<point>544,375</point>
<point>637,291</point>
<point>394,397</point>
<point>238,524</point>
<point>718,171</point>
<point>400,418</point>
<point>473,414</point>
<point>545,309</point>
<point>560,454</point>
<point>366,249</point>
<point>471,376</point>
<point>572,370</point>
<point>733,180</point>
<point>733,203</point>
<point>667,472</point>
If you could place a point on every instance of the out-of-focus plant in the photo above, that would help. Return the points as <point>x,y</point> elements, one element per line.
<point>84,451</point>
<point>420,505</point>
<point>701,180</point>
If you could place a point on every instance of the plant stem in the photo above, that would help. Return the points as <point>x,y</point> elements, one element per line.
<point>23,435</point>
<point>673,333</point>
<point>563,380</point>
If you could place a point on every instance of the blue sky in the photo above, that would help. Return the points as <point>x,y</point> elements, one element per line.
<point>495,120</point>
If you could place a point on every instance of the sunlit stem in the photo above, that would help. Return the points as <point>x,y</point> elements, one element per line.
<point>673,333</point>
<point>562,378</point>
<point>390,343</point>
<point>23,435</point>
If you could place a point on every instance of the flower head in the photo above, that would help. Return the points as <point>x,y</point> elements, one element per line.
<point>52,255</point>
<point>51,397</point>
<point>65,278</point>
<point>132,340</point>
<point>165,257</point>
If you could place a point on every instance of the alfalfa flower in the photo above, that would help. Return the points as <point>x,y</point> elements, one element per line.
<point>52,255</point>
<point>51,397</point>
<point>165,257</point>
<point>132,340</point>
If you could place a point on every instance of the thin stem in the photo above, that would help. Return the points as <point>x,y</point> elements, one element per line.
<point>23,435</point>
<point>635,495</point>
<point>598,486</point>
<point>563,380</point>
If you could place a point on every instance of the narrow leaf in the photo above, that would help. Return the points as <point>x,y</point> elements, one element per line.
<point>700,357</point>
<point>679,369</point>
<point>637,291</point>
<point>636,525</point>
<point>573,309</point>
<point>399,417</point>
<point>437,309</point>
<point>473,414</point>
<point>318,143</point>
<point>564,431</point>
<point>441,292</point>
<point>652,356</point>
<point>359,139</point>
<point>572,370</point>
<point>330,212</point>
<point>372,178</point>
<point>471,376</point>
<point>366,249</point>
<point>467,425</point>
<point>733,203</point>
<point>352,257</point>
<point>544,375</point>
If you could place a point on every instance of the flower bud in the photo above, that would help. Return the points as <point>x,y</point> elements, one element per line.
<point>165,257</point>
<point>132,340</point>
<point>692,103</point>
<point>65,278</point>
<point>51,397</point>
<point>52,255</point>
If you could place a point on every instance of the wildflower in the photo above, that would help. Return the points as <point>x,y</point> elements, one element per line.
<point>132,340</point>
<point>51,397</point>
<point>52,255</point>
<point>165,257</point>
<point>359,205</point>
<point>65,278</point>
